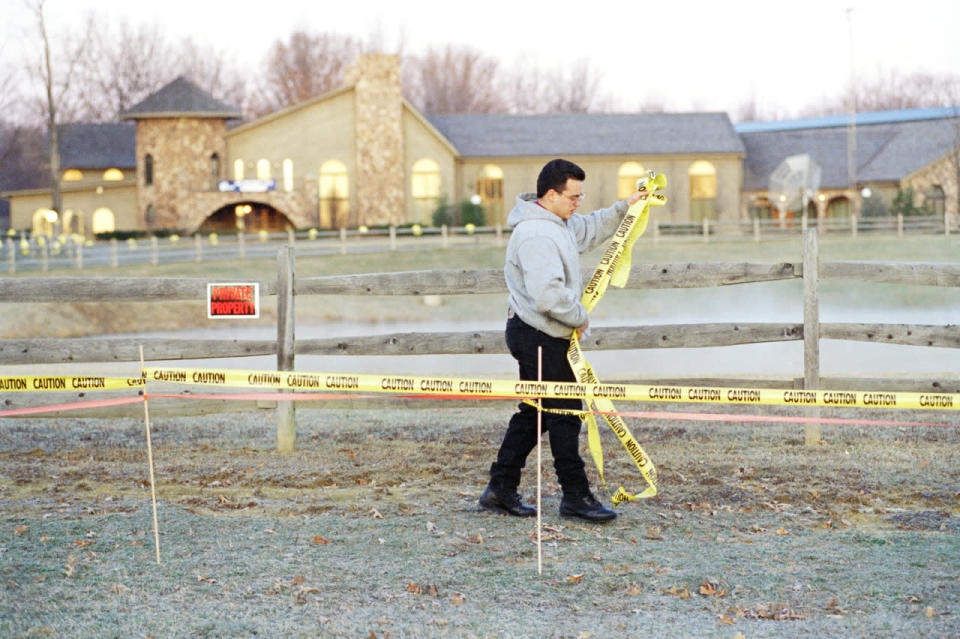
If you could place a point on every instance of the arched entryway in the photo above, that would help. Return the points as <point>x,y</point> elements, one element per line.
<point>249,217</point>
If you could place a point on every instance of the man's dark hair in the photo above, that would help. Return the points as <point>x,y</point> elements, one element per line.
<point>554,175</point>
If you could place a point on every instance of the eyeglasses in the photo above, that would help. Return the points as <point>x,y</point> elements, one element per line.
<point>573,198</point>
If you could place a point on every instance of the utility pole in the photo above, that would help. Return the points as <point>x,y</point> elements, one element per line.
<point>852,128</point>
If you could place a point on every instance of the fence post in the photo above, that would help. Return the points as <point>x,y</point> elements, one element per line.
<point>706,230</point>
<point>241,244</point>
<point>946,223</point>
<point>393,237</point>
<point>853,226</point>
<point>114,256</point>
<point>198,247</point>
<point>443,234</point>
<point>44,256</point>
<point>899,224</point>
<point>811,330</point>
<point>80,255</point>
<point>154,250</point>
<point>499,233</point>
<point>756,229</point>
<point>803,223</point>
<point>286,422</point>
<point>12,249</point>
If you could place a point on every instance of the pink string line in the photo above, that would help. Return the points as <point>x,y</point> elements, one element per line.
<point>702,417</point>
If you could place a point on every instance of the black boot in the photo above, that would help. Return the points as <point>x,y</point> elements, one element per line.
<point>585,506</point>
<point>505,503</point>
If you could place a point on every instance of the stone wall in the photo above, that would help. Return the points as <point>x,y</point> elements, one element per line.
<point>379,140</point>
<point>943,173</point>
<point>181,150</point>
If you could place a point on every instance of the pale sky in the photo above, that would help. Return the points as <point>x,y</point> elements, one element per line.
<point>687,54</point>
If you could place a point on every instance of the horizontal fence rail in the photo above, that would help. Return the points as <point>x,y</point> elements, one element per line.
<point>480,281</point>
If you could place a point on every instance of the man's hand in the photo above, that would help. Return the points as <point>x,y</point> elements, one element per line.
<point>581,329</point>
<point>636,196</point>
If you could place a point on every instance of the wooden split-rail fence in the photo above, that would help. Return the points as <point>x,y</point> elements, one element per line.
<point>287,287</point>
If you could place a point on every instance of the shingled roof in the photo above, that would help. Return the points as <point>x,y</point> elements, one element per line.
<point>180,98</point>
<point>98,146</point>
<point>884,152</point>
<point>589,134</point>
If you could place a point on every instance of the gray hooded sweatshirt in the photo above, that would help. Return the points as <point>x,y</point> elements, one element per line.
<point>543,262</point>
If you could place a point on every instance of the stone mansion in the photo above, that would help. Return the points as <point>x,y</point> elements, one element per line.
<point>363,155</point>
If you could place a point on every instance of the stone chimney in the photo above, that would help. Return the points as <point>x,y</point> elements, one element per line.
<point>379,139</point>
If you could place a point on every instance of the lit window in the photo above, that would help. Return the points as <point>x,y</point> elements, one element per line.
<point>103,221</point>
<point>43,222</point>
<point>288,175</point>
<point>490,190</point>
<point>148,170</point>
<point>334,195</point>
<point>263,169</point>
<point>703,191</point>
<point>73,222</point>
<point>627,177</point>
<point>112,175</point>
<point>425,189</point>
<point>238,169</point>
<point>72,175</point>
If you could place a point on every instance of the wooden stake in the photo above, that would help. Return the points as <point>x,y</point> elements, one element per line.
<point>153,485</point>
<point>539,433</point>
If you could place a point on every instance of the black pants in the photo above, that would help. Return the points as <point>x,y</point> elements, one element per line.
<point>564,430</point>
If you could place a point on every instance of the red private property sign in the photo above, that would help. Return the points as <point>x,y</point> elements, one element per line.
<point>233,300</point>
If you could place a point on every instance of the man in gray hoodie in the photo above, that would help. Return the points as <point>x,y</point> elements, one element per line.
<point>543,277</point>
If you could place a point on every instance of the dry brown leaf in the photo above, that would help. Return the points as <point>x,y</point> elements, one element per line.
<point>575,579</point>
<point>119,589</point>
<point>634,589</point>
<point>655,533</point>
<point>929,612</point>
<point>298,580</point>
<point>725,619</point>
<point>424,589</point>
<point>707,589</point>
<point>83,542</point>
<point>457,599</point>
<point>19,530</point>
<point>375,513</point>
<point>675,591</point>
<point>222,499</point>
<point>319,539</point>
<point>782,531</point>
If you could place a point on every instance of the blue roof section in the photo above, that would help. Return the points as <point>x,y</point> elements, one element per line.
<point>862,119</point>
<point>492,135</point>
<point>98,146</point>
<point>887,151</point>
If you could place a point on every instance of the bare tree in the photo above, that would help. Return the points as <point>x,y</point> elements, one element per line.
<point>890,90</point>
<point>305,66</point>
<point>121,66</point>
<point>213,72</point>
<point>571,90</point>
<point>55,74</point>
<point>454,80</point>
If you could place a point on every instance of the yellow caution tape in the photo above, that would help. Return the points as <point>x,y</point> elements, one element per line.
<point>613,270</point>
<point>67,383</point>
<point>493,388</point>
